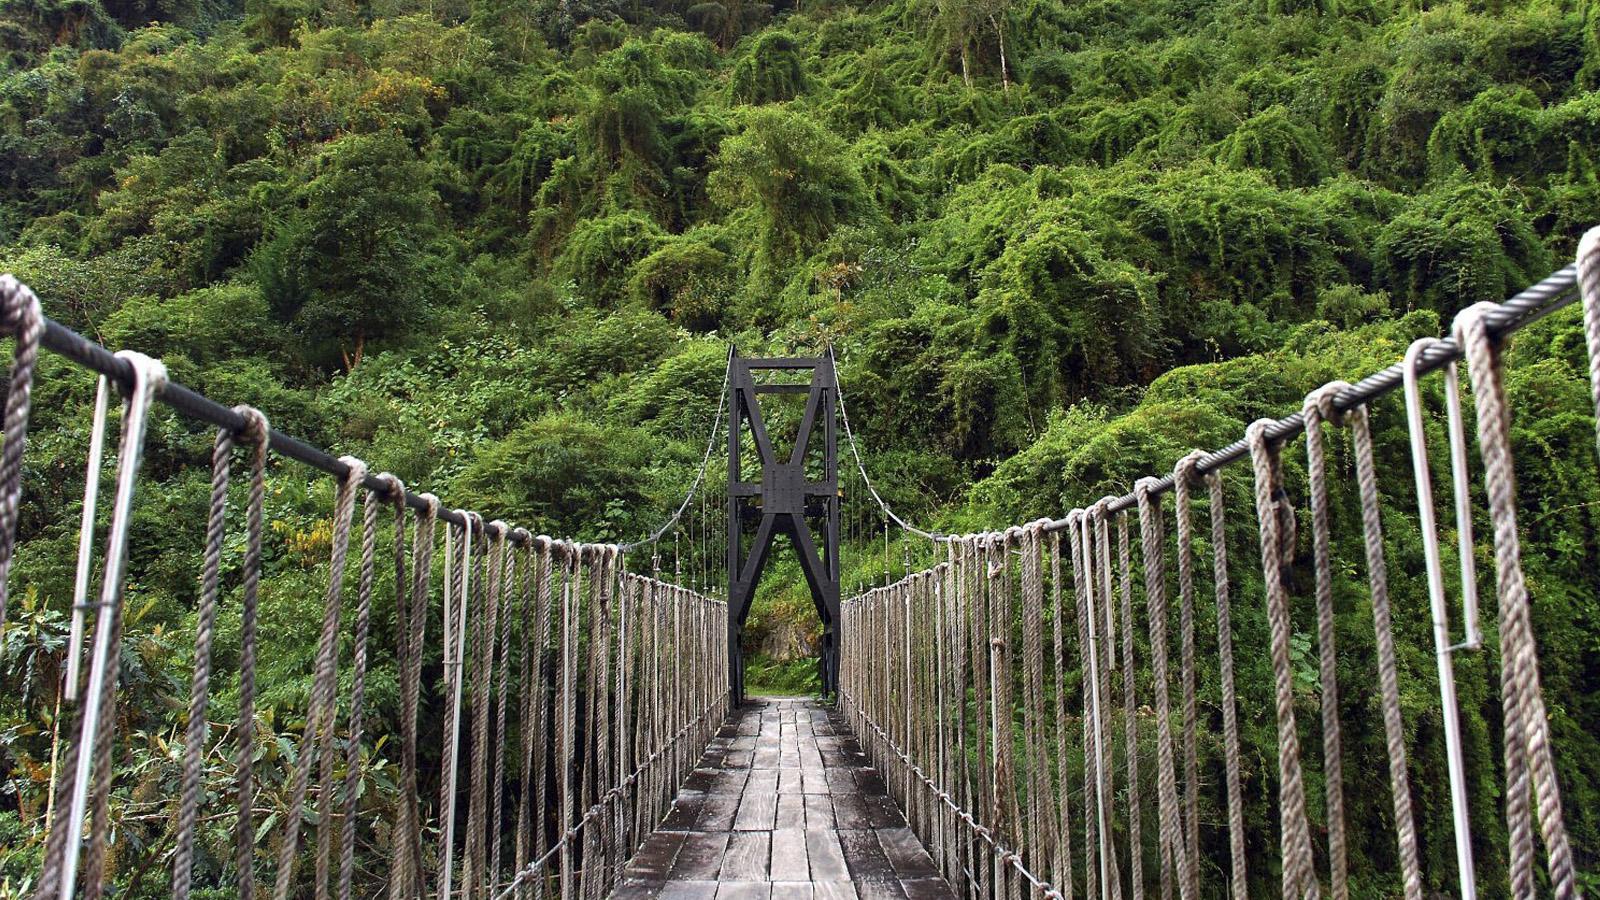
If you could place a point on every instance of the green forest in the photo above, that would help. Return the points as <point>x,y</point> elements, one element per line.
<point>500,248</point>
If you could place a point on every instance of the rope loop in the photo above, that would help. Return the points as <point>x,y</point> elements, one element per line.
<point>257,427</point>
<point>394,488</point>
<point>1589,290</point>
<point>20,310</point>
<point>24,318</point>
<point>1188,467</point>
<point>358,470</point>
<point>1320,403</point>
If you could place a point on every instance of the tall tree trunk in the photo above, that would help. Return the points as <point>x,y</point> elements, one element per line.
<point>1000,37</point>
<point>966,68</point>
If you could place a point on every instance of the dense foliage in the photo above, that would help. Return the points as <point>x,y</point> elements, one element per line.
<point>498,247</point>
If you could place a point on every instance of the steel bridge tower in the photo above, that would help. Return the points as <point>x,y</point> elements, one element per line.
<point>785,500</point>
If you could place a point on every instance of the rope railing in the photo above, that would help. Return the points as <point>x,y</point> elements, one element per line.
<point>573,695</point>
<point>941,669</point>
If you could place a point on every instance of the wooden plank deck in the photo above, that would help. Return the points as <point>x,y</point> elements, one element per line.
<point>783,807</point>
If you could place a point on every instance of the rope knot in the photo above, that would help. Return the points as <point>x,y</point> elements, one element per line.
<point>394,488</point>
<point>1187,469</point>
<point>1469,328</point>
<point>1320,402</point>
<point>432,502</point>
<point>153,371</point>
<point>1145,489</point>
<point>357,469</point>
<point>257,429</point>
<point>19,306</point>
<point>498,530</point>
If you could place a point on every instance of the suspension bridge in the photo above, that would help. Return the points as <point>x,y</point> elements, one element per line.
<point>1020,717</point>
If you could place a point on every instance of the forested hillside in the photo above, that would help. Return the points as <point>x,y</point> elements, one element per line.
<point>499,248</point>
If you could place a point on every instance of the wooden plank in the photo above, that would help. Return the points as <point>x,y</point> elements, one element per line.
<point>747,856</point>
<point>783,806</point>
<point>689,890</point>
<point>833,890</point>
<point>789,859</point>
<point>906,854</point>
<point>654,859</point>
<point>819,811</point>
<point>791,890</point>
<point>717,813</point>
<point>791,811</point>
<point>927,889</point>
<point>685,812</point>
<point>826,856</point>
<point>882,811</point>
<point>700,857</point>
<point>758,809</point>
<point>743,890</point>
<point>864,855</point>
<point>850,812</point>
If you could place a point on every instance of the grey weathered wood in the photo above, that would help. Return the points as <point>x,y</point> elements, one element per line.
<point>783,807</point>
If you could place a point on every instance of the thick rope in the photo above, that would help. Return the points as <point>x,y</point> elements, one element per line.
<point>199,693</point>
<point>1063,868</point>
<point>1299,878</point>
<point>531,653</point>
<point>1130,719</point>
<point>1230,715</point>
<point>1171,816</point>
<point>316,739</point>
<point>1092,841</point>
<point>484,631</point>
<point>1589,290</point>
<point>1042,838</point>
<point>1103,641</point>
<point>1183,479</point>
<point>1527,729</point>
<point>21,316</point>
<point>259,434</point>
<point>411,880</point>
<point>89,757</point>
<point>358,688</point>
<point>1317,409</point>
<point>1383,630</point>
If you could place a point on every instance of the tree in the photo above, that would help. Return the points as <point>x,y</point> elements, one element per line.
<point>798,180</point>
<point>350,259</point>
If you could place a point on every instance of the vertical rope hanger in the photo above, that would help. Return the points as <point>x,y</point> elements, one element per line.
<point>1063,865</point>
<point>259,434</point>
<point>20,314</point>
<point>91,752</point>
<point>1527,728</point>
<point>1299,877</point>
<point>1588,288</point>
<point>1093,840</point>
<point>1318,404</point>
<point>1171,815</point>
<point>320,708</point>
<point>194,737</point>
<point>199,694</point>
<point>411,612</point>
<point>1230,714</point>
<point>455,652</point>
<point>502,700</point>
<point>1183,478</point>
<point>358,689</point>
<point>1388,677</point>
<point>1130,720</point>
